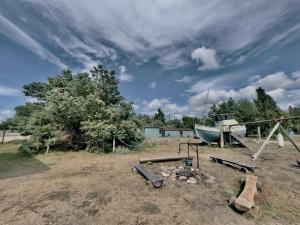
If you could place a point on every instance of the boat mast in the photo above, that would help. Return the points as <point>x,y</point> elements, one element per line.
<point>205,104</point>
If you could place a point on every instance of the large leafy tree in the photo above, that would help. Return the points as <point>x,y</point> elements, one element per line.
<point>78,111</point>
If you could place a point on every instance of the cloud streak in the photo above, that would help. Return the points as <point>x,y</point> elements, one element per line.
<point>95,30</point>
<point>18,35</point>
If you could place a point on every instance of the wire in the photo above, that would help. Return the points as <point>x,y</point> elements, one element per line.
<point>133,146</point>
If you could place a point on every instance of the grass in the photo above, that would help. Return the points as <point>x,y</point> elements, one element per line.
<point>14,163</point>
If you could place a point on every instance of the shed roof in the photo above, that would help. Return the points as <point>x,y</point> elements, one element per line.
<point>175,129</point>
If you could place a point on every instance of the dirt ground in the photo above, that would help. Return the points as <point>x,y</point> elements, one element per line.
<point>83,188</point>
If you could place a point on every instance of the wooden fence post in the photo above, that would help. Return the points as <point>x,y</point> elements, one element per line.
<point>114,144</point>
<point>3,136</point>
<point>258,134</point>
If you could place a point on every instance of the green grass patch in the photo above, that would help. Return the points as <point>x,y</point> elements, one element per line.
<point>14,163</point>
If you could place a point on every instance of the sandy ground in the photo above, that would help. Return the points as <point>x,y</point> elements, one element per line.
<point>83,188</point>
<point>12,136</point>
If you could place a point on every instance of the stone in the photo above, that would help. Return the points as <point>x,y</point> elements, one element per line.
<point>181,167</point>
<point>164,174</point>
<point>172,168</point>
<point>176,170</point>
<point>173,176</point>
<point>192,169</point>
<point>182,178</point>
<point>191,181</point>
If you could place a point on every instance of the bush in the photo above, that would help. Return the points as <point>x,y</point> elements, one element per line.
<point>31,146</point>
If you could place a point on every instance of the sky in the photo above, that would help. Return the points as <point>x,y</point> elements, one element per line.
<point>166,53</point>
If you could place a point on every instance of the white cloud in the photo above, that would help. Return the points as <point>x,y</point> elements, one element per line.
<point>125,76</point>
<point>284,90</point>
<point>185,79</point>
<point>276,80</point>
<point>6,113</point>
<point>296,74</point>
<point>169,108</point>
<point>207,56</point>
<point>152,85</point>
<point>173,59</point>
<point>8,91</point>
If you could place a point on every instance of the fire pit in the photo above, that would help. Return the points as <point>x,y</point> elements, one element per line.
<point>187,175</point>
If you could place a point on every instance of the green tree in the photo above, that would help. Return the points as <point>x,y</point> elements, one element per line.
<point>265,104</point>
<point>79,112</point>
<point>160,116</point>
<point>294,124</point>
<point>246,111</point>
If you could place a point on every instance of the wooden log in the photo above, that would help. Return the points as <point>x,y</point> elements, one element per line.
<point>254,156</point>
<point>153,179</point>
<point>245,200</point>
<point>239,165</point>
<point>164,158</point>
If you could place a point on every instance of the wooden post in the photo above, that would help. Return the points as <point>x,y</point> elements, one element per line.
<point>3,136</point>
<point>222,139</point>
<point>287,135</point>
<point>230,140</point>
<point>197,157</point>
<point>254,156</point>
<point>114,144</point>
<point>48,145</point>
<point>258,134</point>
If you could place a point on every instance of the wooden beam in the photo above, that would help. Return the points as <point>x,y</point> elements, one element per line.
<point>164,158</point>
<point>245,200</point>
<point>153,179</point>
<point>254,156</point>
<point>265,121</point>
<point>287,135</point>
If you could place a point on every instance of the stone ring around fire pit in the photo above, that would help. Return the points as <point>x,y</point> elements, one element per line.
<point>187,175</point>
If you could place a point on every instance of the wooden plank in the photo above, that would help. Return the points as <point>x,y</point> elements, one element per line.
<point>245,200</point>
<point>243,165</point>
<point>287,135</point>
<point>164,158</point>
<point>240,140</point>
<point>153,179</point>
<point>254,156</point>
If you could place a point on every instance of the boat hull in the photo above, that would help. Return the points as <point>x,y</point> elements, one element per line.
<point>208,134</point>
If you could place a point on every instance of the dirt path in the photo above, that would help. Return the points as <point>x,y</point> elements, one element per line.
<point>83,188</point>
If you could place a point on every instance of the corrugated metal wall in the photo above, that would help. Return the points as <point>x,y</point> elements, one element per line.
<point>152,132</point>
<point>172,133</point>
<point>187,133</point>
